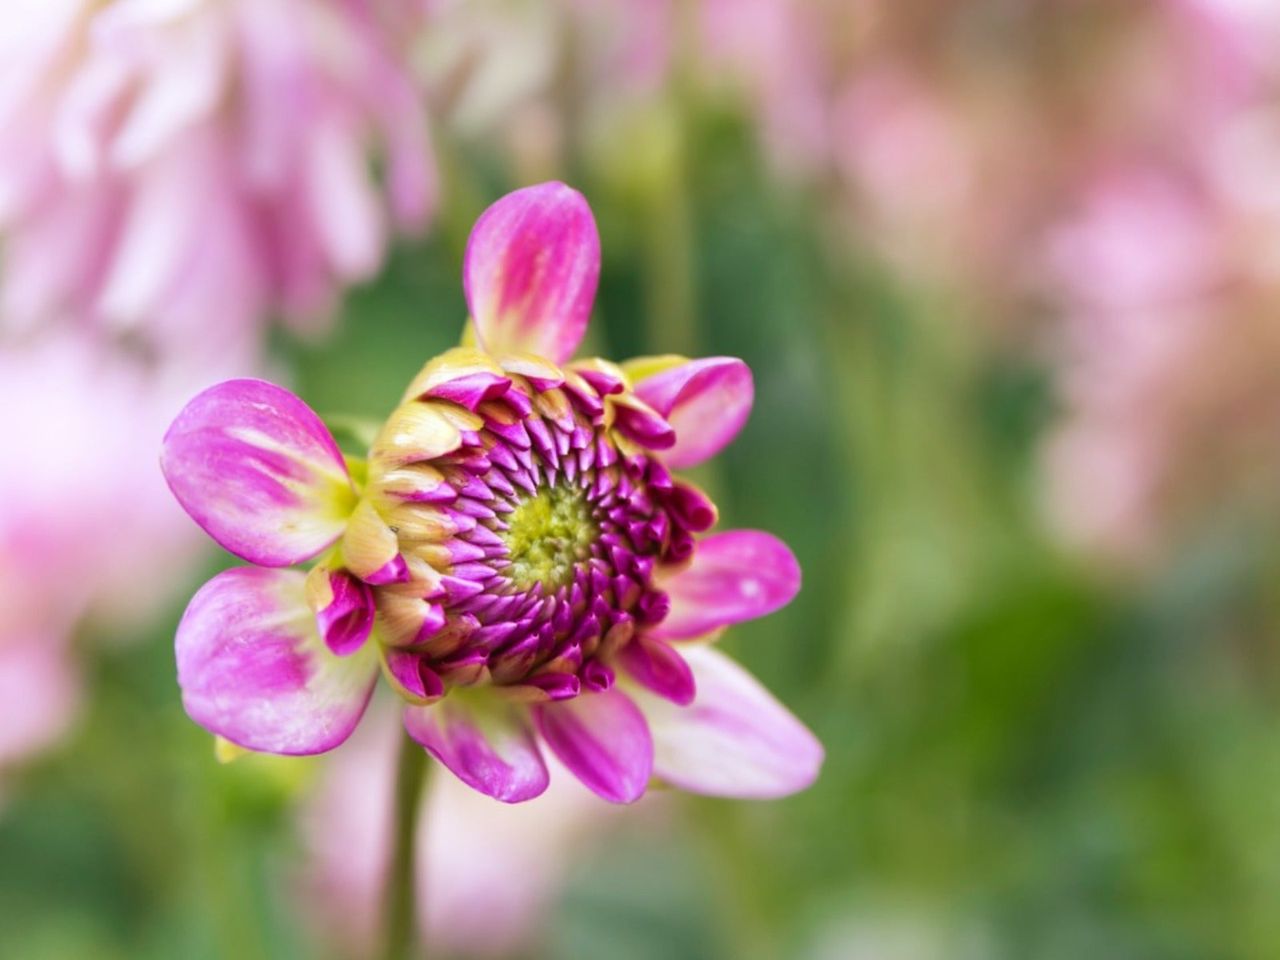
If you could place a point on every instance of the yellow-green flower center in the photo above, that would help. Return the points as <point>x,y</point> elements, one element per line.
<point>547,536</point>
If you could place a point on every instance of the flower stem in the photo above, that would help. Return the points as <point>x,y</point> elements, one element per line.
<point>401,931</point>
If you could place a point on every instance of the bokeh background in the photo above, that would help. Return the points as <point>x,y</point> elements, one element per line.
<point>1008,275</point>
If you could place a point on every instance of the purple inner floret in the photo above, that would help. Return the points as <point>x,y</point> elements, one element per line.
<point>597,521</point>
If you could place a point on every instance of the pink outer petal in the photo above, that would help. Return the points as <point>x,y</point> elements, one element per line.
<point>253,668</point>
<point>488,746</point>
<point>258,470</point>
<point>603,739</point>
<point>735,576</point>
<point>706,401</point>
<point>736,740</point>
<point>530,273</point>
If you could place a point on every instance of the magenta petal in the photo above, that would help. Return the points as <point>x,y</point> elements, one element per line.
<point>735,576</point>
<point>253,668</point>
<point>530,273</point>
<point>471,390</point>
<point>706,401</point>
<point>255,466</point>
<point>644,426</point>
<point>556,686</point>
<point>603,739</point>
<point>345,623</point>
<point>656,666</point>
<point>489,747</point>
<point>395,570</point>
<point>411,672</point>
<point>735,740</point>
<point>692,507</point>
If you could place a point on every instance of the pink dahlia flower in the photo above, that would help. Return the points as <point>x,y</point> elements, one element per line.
<point>163,162</point>
<point>513,553</point>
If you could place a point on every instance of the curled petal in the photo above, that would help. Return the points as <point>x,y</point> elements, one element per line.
<point>603,739</point>
<point>530,273</point>
<point>371,549</point>
<point>706,402</point>
<point>543,374</point>
<point>254,669</point>
<point>344,609</point>
<point>488,746</point>
<point>414,483</point>
<point>734,740</point>
<point>259,471</point>
<point>415,431</point>
<point>411,676</point>
<point>461,375</point>
<point>407,621</point>
<point>636,420</point>
<point>658,668</point>
<point>605,377</point>
<point>692,507</point>
<point>735,576</point>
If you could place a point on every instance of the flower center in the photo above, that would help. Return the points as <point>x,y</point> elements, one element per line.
<point>548,534</point>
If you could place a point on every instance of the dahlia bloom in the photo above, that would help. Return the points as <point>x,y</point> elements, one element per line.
<point>514,553</point>
<point>165,163</point>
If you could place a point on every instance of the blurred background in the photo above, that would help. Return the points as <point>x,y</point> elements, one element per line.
<point>1008,275</point>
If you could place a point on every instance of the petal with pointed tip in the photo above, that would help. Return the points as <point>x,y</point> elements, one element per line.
<point>460,375</point>
<point>344,609</point>
<point>530,273</point>
<point>734,576</point>
<point>659,668</point>
<point>254,669</point>
<point>487,746</point>
<point>636,420</point>
<point>371,549</point>
<point>410,674</point>
<point>259,471</point>
<point>603,739</point>
<point>734,740</point>
<point>706,401</point>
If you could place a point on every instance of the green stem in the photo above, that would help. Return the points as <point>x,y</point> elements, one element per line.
<point>401,930</point>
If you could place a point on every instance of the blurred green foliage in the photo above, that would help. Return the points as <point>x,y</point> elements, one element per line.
<point>1026,758</point>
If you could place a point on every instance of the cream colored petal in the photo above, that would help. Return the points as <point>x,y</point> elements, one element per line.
<point>415,431</point>
<point>369,543</point>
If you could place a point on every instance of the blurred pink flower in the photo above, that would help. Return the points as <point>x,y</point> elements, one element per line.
<point>1130,269</point>
<point>907,167</point>
<point>39,690</point>
<point>190,166</point>
<point>487,872</point>
<point>1162,261</point>
<point>86,516</point>
<point>850,100</point>
<point>1166,356</point>
<point>506,71</point>
<point>776,51</point>
<point>1139,237</point>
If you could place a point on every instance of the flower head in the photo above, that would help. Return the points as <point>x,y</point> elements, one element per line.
<point>514,552</point>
